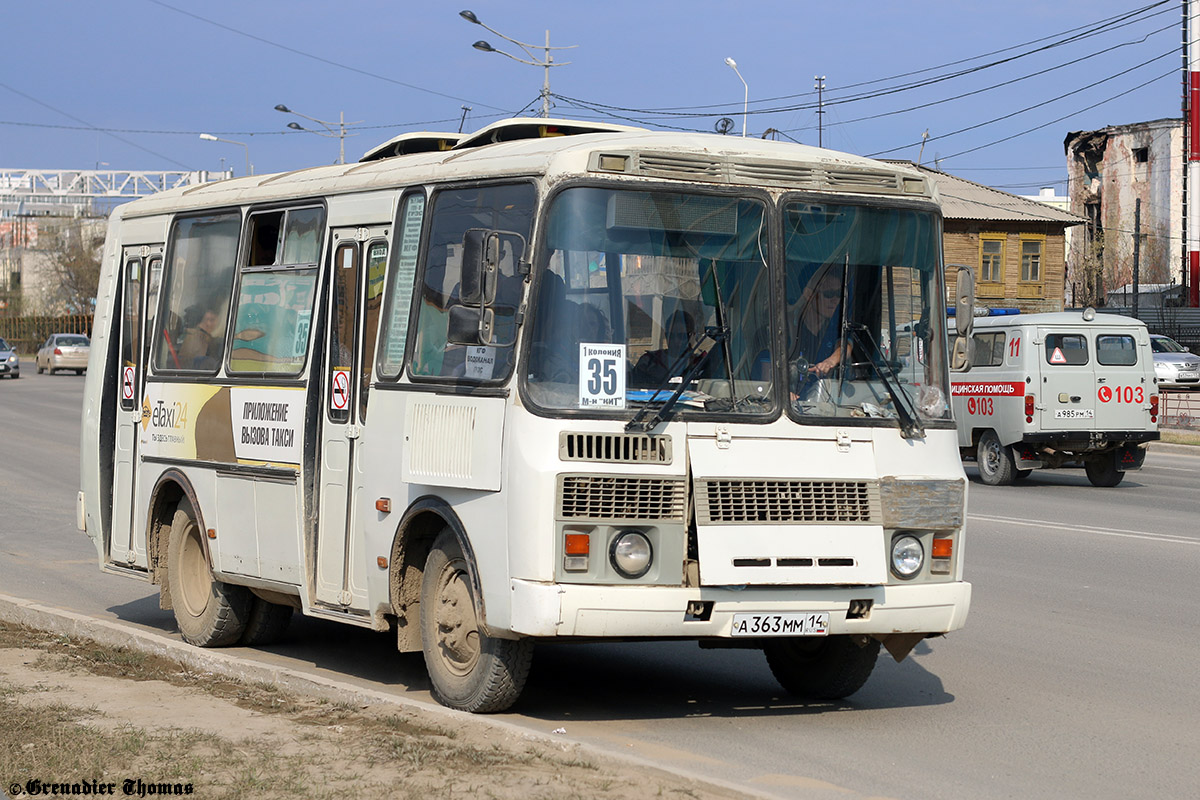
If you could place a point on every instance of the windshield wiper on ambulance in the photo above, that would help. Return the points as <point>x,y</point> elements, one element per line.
<point>910,423</point>
<point>718,335</point>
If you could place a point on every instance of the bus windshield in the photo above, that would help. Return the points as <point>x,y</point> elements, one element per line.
<point>651,281</point>
<point>864,313</point>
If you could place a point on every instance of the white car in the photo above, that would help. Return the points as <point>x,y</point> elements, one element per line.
<point>64,351</point>
<point>1175,366</point>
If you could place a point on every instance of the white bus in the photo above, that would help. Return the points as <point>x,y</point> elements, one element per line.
<point>548,381</point>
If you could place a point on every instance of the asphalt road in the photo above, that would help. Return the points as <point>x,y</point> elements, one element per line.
<point>1075,675</point>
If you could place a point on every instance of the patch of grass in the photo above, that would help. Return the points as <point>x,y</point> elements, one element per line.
<point>1180,437</point>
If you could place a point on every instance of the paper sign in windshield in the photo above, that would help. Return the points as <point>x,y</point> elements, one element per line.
<point>601,376</point>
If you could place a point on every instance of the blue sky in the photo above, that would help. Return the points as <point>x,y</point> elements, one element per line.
<point>134,82</point>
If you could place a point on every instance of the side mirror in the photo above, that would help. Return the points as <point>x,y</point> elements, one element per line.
<point>470,326</point>
<point>964,301</point>
<point>480,266</point>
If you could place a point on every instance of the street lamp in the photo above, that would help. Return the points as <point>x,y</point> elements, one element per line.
<point>339,134</point>
<point>746,102</point>
<point>208,137</point>
<point>546,62</point>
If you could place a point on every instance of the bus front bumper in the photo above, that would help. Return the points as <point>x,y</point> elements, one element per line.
<point>563,610</point>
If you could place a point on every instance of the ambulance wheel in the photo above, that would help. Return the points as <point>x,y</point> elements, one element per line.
<point>996,466</point>
<point>468,669</point>
<point>209,613</point>
<point>1102,471</point>
<point>822,668</point>
<point>1021,474</point>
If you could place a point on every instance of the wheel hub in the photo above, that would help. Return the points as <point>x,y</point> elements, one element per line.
<point>457,632</point>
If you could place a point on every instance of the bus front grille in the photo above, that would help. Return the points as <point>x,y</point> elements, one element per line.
<point>626,448</point>
<point>749,501</point>
<point>621,497</point>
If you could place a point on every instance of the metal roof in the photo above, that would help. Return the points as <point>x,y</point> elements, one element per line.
<point>967,200</point>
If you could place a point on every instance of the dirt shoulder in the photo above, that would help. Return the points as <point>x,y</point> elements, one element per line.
<point>125,722</point>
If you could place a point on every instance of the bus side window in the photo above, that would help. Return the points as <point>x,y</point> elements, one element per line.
<point>506,208</point>
<point>403,276</point>
<point>277,291</point>
<point>197,283</point>
<point>376,263</point>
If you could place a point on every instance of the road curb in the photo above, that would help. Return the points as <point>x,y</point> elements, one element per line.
<point>24,612</point>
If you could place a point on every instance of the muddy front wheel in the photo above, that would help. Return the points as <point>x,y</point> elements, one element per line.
<point>209,613</point>
<point>469,670</point>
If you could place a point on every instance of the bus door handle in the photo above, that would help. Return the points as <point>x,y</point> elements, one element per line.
<point>352,431</point>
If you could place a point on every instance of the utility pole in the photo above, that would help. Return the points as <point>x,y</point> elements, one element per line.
<point>466,110</point>
<point>1192,278</point>
<point>820,87</point>
<point>1137,251</point>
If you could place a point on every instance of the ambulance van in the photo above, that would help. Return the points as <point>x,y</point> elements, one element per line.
<point>1065,389</point>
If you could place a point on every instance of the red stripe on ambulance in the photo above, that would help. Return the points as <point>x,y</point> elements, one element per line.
<point>990,389</point>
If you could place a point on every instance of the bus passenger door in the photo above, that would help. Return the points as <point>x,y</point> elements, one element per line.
<point>140,269</point>
<point>354,289</point>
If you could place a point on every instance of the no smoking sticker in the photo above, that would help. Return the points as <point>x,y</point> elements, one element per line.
<point>127,383</point>
<point>339,398</point>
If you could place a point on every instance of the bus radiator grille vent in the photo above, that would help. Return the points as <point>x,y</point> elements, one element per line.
<point>862,181</point>
<point>441,444</point>
<point>614,448</point>
<point>775,174</point>
<point>620,497</point>
<point>664,165</point>
<point>787,501</point>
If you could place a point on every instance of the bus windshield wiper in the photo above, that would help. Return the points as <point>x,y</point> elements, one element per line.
<point>910,423</point>
<point>718,335</point>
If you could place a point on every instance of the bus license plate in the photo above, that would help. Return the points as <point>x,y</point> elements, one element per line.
<point>791,624</point>
<point>1074,413</point>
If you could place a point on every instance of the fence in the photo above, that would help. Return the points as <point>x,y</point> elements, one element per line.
<point>1179,410</point>
<point>26,334</point>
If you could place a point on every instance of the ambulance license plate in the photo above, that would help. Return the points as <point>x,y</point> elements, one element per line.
<point>1074,413</point>
<point>789,624</point>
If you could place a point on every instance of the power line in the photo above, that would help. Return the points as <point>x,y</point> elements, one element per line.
<point>92,127</point>
<point>320,59</point>
<point>1092,29</point>
<point>1169,53</point>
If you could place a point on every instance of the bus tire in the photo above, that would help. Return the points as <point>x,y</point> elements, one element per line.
<point>266,624</point>
<point>822,667</point>
<point>1102,470</point>
<point>995,461</point>
<point>209,613</point>
<point>468,669</point>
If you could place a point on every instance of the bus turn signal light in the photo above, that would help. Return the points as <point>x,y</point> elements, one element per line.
<point>384,504</point>
<point>943,548</point>
<point>576,547</point>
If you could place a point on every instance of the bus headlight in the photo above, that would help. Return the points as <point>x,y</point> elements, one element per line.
<point>907,556</point>
<point>631,554</point>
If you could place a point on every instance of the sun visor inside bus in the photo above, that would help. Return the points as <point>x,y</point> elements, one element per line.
<point>699,214</point>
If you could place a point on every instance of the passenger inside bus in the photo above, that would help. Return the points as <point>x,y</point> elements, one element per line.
<point>200,347</point>
<point>653,367</point>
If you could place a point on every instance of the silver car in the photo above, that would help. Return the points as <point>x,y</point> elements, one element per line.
<point>64,351</point>
<point>1174,365</point>
<point>10,363</point>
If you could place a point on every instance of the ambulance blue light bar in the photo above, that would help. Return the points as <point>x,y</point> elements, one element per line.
<point>991,312</point>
